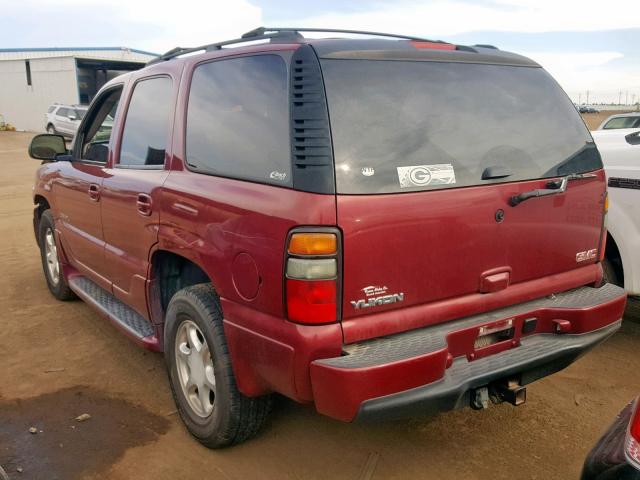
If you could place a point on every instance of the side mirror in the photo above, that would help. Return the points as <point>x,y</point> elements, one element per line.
<point>633,138</point>
<point>72,116</point>
<point>47,147</point>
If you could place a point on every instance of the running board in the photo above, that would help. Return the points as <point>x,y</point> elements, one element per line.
<point>124,317</point>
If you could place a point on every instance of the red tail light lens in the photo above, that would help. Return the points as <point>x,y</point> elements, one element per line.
<point>311,302</point>
<point>311,272</point>
<point>603,238</point>
<point>632,444</point>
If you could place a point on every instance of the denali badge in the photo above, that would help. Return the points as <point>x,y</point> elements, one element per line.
<point>381,299</point>
<point>586,255</point>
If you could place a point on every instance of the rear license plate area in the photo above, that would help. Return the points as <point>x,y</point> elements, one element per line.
<point>490,335</point>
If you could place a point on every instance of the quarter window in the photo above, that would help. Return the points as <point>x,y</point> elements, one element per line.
<point>144,140</point>
<point>238,120</point>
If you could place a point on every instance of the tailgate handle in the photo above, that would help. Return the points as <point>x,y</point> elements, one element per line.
<point>494,281</point>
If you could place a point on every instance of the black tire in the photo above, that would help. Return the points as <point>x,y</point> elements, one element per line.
<point>51,129</point>
<point>632,311</point>
<point>235,417</point>
<point>609,271</point>
<point>58,286</point>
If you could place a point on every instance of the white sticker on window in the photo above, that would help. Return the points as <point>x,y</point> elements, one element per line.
<point>423,175</point>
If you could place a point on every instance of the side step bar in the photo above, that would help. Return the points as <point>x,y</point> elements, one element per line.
<point>124,317</point>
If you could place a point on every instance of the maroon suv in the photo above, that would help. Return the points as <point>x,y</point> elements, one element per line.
<point>378,226</point>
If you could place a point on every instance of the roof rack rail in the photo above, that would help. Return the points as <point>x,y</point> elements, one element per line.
<point>265,30</point>
<point>178,51</point>
<point>282,34</point>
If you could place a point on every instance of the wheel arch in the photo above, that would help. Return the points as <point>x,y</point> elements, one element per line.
<point>612,253</point>
<point>169,273</point>
<point>42,204</point>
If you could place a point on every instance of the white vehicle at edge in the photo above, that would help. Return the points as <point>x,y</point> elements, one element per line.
<point>620,151</point>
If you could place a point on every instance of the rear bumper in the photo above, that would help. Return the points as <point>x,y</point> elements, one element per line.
<point>434,369</point>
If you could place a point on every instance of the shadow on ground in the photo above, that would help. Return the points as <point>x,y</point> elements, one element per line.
<point>63,448</point>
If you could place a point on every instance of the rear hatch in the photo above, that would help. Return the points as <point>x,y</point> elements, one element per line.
<point>428,155</point>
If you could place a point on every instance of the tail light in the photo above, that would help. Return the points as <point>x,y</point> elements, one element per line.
<point>632,444</point>
<point>603,234</point>
<point>312,271</point>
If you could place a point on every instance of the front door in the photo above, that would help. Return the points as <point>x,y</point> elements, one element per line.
<point>77,192</point>
<point>131,192</point>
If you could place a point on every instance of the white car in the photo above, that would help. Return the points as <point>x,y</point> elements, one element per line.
<point>621,120</point>
<point>620,151</point>
<point>64,119</point>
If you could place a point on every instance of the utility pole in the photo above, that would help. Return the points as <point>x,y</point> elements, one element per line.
<point>619,97</point>
<point>587,97</point>
<point>626,101</point>
<point>580,99</point>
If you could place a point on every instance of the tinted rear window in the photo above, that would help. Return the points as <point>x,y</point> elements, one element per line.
<point>404,126</point>
<point>238,119</point>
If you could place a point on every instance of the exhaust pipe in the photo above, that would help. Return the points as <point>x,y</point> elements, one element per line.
<point>510,391</point>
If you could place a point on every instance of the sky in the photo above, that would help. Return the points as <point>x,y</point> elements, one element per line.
<point>588,46</point>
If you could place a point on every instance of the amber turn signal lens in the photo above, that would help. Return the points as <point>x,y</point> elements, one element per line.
<point>606,202</point>
<point>313,244</point>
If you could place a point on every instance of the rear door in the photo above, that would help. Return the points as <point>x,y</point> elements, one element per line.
<point>132,188</point>
<point>428,156</point>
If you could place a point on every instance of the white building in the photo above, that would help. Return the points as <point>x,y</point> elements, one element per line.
<point>32,79</point>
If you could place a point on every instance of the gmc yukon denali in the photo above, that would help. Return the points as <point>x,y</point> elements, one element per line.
<point>383,226</point>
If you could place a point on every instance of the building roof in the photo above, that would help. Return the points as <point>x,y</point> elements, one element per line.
<point>120,53</point>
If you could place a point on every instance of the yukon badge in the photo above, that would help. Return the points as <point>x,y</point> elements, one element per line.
<point>376,296</point>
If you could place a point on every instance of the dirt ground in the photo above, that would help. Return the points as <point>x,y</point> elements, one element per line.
<point>60,360</point>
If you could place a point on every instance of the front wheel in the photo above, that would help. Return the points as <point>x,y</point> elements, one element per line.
<point>51,129</point>
<point>199,367</point>
<point>51,266</point>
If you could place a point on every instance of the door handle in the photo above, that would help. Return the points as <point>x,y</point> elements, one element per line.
<point>94,192</point>
<point>144,204</point>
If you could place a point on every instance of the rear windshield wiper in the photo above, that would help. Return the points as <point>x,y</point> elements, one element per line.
<point>553,188</point>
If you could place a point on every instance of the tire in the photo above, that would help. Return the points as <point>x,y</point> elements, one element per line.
<point>217,416</point>
<point>51,129</point>
<point>610,275</point>
<point>633,308</point>
<point>56,280</point>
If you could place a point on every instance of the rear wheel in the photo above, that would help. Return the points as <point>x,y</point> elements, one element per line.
<point>51,129</point>
<point>200,372</point>
<point>51,266</point>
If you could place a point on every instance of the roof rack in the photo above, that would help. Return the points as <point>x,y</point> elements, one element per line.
<point>265,30</point>
<point>281,34</point>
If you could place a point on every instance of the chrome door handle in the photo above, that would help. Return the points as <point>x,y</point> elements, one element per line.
<point>144,204</point>
<point>94,192</point>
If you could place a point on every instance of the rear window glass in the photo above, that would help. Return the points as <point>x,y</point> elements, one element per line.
<point>402,126</point>
<point>238,120</point>
<point>622,122</point>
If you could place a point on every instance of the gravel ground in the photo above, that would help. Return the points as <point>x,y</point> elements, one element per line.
<point>61,360</point>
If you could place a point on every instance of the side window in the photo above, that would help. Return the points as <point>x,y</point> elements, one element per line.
<point>51,109</point>
<point>96,133</point>
<point>144,140</point>
<point>238,119</point>
<point>62,112</point>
